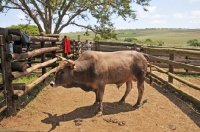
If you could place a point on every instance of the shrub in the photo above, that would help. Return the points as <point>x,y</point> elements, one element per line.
<point>193,42</point>
<point>130,40</point>
<point>27,28</point>
<point>160,43</point>
<point>149,41</point>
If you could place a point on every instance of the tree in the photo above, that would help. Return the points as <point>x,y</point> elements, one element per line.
<point>26,28</point>
<point>130,40</point>
<point>160,43</point>
<point>149,41</point>
<point>193,42</point>
<point>49,15</point>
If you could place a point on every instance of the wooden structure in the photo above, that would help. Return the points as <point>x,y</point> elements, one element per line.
<point>45,48</point>
<point>14,65</point>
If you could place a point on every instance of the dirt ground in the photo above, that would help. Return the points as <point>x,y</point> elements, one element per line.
<point>71,110</point>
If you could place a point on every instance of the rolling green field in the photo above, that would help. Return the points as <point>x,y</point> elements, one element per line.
<point>170,37</point>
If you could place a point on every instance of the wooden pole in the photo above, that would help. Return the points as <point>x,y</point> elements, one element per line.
<point>53,53</point>
<point>11,37</point>
<point>179,90</point>
<point>52,35</point>
<point>6,70</point>
<point>174,51</point>
<point>17,86</point>
<point>176,64</point>
<point>32,53</point>
<point>16,75</point>
<point>171,68</point>
<point>97,46</point>
<point>36,82</point>
<point>195,86</point>
<point>14,32</point>
<point>79,38</point>
<point>43,59</point>
<point>43,38</point>
<point>19,66</point>
<point>3,70</point>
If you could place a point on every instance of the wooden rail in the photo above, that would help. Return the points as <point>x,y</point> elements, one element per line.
<point>46,47</point>
<point>23,57</point>
<point>174,51</point>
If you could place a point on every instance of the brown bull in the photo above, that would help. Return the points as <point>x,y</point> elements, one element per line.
<point>93,70</point>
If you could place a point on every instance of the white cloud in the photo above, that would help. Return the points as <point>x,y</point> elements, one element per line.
<point>152,16</point>
<point>151,13</point>
<point>20,16</point>
<point>192,14</point>
<point>151,9</point>
<point>194,1</point>
<point>158,16</point>
<point>158,21</point>
<point>143,14</point>
<point>195,14</point>
<point>195,22</point>
<point>181,15</point>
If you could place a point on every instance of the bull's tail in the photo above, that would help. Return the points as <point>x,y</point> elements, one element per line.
<point>150,78</point>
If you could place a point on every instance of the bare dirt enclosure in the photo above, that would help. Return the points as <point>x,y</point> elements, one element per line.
<point>71,110</point>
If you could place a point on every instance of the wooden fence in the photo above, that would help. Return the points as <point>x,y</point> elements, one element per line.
<point>162,58</point>
<point>16,65</point>
<point>40,55</point>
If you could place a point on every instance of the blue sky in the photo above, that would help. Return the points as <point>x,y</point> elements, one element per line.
<point>161,14</point>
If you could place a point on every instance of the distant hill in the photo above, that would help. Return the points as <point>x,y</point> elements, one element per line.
<point>170,37</point>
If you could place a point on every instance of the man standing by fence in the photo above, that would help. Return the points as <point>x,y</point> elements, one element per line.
<point>66,46</point>
<point>87,46</point>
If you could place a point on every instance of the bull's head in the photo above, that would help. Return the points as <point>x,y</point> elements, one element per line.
<point>63,74</point>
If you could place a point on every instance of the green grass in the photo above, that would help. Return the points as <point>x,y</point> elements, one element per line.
<point>170,37</point>
<point>25,99</point>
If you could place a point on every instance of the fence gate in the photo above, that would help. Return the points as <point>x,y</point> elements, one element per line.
<point>7,92</point>
<point>3,101</point>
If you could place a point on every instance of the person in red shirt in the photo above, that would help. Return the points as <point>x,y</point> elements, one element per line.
<point>66,46</point>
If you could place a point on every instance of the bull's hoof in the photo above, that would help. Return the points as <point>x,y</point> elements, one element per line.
<point>96,103</point>
<point>121,102</point>
<point>99,114</point>
<point>136,105</point>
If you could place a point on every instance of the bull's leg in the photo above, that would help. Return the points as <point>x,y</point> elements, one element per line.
<point>140,86</point>
<point>97,98</point>
<point>100,97</point>
<point>128,89</point>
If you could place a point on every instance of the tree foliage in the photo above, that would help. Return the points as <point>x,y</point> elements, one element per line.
<point>26,28</point>
<point>147,41</point>
<point>130,40</point>
<point>193,42</point>
<point>51,16</point>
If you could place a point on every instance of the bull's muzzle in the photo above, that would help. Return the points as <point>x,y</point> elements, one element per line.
<point>52,83</point>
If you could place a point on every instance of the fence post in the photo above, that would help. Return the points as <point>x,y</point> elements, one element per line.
<point>97,46</point>
<point>79,38</point>
<point>134,46</point>
<point>74,50</point>
<point>171,68</point>
<point>53,53</point>
<point>3,72</point>
<point>7,72</point>
<point>186,70</point>
<point>43,58</point>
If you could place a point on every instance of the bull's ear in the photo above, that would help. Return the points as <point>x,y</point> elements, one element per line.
<point>71,64</point>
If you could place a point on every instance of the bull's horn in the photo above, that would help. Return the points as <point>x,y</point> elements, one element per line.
<point>62,58</point>
<point>71,64</point>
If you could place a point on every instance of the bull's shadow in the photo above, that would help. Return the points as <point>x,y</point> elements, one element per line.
<point>88,112</point>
